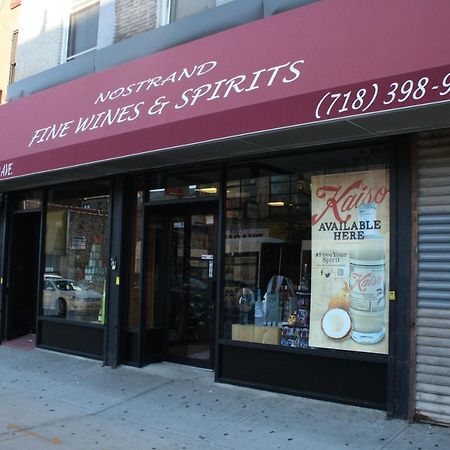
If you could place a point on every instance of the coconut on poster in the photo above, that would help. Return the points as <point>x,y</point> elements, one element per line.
<point>350,261</point>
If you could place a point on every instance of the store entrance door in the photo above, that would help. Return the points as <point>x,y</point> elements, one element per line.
<point>181,274</point>
<point>22,275</point>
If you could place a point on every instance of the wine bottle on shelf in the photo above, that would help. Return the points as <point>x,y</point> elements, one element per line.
<point>305,282</point>
<point>259,310</point>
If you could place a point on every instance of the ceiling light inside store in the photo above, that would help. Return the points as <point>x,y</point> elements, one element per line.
<point>95,197</point>
<point>207,190</point>
<point>276,203</point>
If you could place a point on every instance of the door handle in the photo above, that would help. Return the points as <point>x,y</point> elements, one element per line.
<point>210,269</point>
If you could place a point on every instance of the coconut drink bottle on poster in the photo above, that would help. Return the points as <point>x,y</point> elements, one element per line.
<point>350,261</point>
<point>367,292</point>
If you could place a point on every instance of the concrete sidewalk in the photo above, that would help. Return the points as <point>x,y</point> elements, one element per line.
<point>55,401</point>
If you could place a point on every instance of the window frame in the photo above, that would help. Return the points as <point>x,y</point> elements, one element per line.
<point>165,12</point>
<point>78,7</point>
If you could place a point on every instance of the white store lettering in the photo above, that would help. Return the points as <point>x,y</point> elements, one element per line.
<point>158,81</point>
<point>241,84</point>
<point>7,170</point>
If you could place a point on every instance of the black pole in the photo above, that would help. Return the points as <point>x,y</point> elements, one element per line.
<point>3,215</point>
<point>399,366</point>
<point>114,279</point>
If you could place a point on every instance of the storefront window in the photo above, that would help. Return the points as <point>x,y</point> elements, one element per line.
<point>76,253</point>
<point>307,251</point>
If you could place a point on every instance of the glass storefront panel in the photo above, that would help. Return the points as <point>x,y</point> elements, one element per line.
<point>155,271</point>
<point>307,251</point>
<point>76,246</point>
<point>135,261</point>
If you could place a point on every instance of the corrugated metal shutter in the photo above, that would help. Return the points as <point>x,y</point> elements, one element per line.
<point>433,295</point>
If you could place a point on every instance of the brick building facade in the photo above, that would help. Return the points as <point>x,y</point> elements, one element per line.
<point>9,26</point>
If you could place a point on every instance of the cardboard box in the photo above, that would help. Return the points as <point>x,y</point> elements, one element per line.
<point>244,333</point>
<point>268,335</point>
<point>260,335</point>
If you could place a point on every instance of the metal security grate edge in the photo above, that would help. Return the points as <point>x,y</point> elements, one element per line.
<point>432,389</point>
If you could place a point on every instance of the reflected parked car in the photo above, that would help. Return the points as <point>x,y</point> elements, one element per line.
<point>67,298</point>
<point>52,276</point>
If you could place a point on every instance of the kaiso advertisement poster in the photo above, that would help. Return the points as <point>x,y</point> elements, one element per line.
<point>350,261</point>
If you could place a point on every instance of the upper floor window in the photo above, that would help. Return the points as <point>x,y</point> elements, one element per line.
<point>83,29</point>
<point>184,8</point>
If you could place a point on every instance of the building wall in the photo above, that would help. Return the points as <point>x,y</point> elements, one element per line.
<point>9,22</point>
<point>40,37</point>
<point>135,16</point>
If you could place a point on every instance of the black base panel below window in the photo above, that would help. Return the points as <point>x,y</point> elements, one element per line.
<point>155,343</point>
<point>153,349</point>
<point>130,353</point>
<point>355,382</point>
<point>73,338</point>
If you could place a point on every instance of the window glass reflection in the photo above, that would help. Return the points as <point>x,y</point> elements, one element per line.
<point>185,185</point>
<point>267,255</point>
<point>76,254</point>
<point>27,200</point>
<point>186,8</point>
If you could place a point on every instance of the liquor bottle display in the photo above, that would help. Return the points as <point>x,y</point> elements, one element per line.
<point>295,331</point>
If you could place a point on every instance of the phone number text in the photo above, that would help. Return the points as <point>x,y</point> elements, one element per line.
<point>360,100</point>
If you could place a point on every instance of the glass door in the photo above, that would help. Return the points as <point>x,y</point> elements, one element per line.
<point>180,279</point>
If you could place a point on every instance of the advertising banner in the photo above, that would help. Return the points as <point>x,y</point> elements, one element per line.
<point>350,261</point>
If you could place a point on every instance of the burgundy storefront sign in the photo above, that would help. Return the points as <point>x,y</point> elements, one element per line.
<point>326,61</point>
